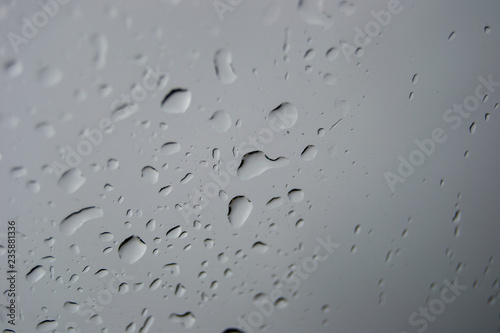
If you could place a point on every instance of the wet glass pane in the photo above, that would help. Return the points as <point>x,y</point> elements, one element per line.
<point>249,166</point>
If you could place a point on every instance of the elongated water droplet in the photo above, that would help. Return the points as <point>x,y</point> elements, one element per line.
<point>256,163</point>
<point>35,274</point>
<point>71,180</point>
<point>224,67</point>
<point>239,211</point>
<point>76,220</point>
<point>176,101</point>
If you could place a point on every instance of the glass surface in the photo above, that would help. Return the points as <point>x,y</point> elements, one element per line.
<point>249,166</point>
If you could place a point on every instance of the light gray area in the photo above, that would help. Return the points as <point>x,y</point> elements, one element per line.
<point>394,251</point>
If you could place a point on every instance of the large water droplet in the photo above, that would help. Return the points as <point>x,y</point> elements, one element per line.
<point>239,210</point>
<point>149,174</point>
<point>176,101</point>
<point>296,195</point>
<point>284,116</point>
<point>132,249</point>
<point>220,121</point>
<point>71,307</point>
<point>175,232</point>
<point>170,148</point>
<point>76,220</point>
<point>224,67</point>
<point>255,163</point>
<point>71,180</point>
<point>35,274</point>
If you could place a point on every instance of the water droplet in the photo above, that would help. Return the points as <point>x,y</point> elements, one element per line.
<point>341,106</point>
<point>220,121</point>
<point>123,111</point>
<point>101,273</point>
<point>35,274</point>
<point>332,54</point>
<point>309,153</point>
<point>180,290</point>
<point>49,76</point>
<point>309,55</point>
<point>18,172</point>
<point>281,303</point>
<point>149,174</point>
<point>260,247</point>
<point>173,268</point>
<point>164,191</point>
<point>312,12</point>
<point>71,307</point>
<point>255,163</point>
<point>13,68</point>
<point>330,79</point>
<point>106,237</point>
<point>187,178</point>
<point>113,164</point>
<point>33,186</point>
<point>170,148</point>
<point>187,320</point>
<point>155,284</point>
<point>47,326</point>
<point>224,67</point>
<point>132,249</point>
<point>275,202</point>
<point>283,116</point>
<point>347,8</point>
<point>71,180</point>
<point>176,101</point>
<point>209,243</point>
<point>45,129</point>
<point>296,195</point>
<point>232,330</point>
<point>100,44</point>
<point>472,128</point>
<point>239,211</point>
<point>175,232</point>
<point>76,220</point>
